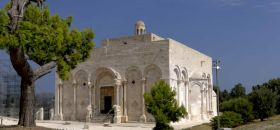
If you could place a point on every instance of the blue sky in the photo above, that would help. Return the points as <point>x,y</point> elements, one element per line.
<point>243,34</point>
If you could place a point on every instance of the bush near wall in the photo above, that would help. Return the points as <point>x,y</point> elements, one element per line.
<point>228,119</point>
<point>241,106</point>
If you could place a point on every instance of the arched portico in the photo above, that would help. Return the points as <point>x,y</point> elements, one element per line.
<point>106,91</point>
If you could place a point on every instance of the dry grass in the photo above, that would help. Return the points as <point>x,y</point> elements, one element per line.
<point>22,128</point>
<point>272,123</point>
<point>200,127</point>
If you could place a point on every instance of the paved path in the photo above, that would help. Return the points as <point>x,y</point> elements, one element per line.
<point>71,125</point>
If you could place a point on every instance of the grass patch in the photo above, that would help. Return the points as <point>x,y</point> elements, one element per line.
<point>200,127</point>
<point>272,123</point>
<point>23,128</point>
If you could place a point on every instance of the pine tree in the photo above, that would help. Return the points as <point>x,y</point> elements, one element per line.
<point>161,103</point>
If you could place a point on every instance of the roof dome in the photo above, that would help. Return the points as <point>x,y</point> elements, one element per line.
<point>140,23</point>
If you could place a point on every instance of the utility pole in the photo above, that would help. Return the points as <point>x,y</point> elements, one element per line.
<point>216,66</point>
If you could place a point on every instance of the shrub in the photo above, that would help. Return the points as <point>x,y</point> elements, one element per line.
<point>161,103</point>
<point>264,102</point>
<point>227,120</point>
<point>241,106</point>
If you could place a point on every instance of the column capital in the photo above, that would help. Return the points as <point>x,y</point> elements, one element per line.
<point>143,80</point>
<point>89,83</point>
<point>74,82</point>
<point>60,82</point>
<point>124,81</point>
<point>118,82</point>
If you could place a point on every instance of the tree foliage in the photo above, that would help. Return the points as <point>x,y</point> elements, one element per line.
<point>238,91</point>
<point>45,38</point>
<point>28,32</point>
<point>161,103</point>
<point>224,96</point>
<point>227,120</point>
<point>274,85</point>
<point>241,106</point>
<point>264,102</point>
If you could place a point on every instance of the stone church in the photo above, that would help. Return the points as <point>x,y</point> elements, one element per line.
<point>115,77</point>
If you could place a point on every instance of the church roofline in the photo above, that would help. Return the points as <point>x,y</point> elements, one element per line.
<point>185,45</point>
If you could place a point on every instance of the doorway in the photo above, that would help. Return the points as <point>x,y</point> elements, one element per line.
<point>106,99</point>
<point>107,104</point>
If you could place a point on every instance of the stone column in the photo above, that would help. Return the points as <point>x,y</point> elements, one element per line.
<point>117,111</point>
<point>202,103</point>
<point>57,100</point>
<point>187,98</point>
<point>93,100</point>
<point>207,103</point>
<point>124,118</point>
<point>60,99</point>
<point>210,95</point>
<point>89,108</point>
<point>143,116</point>
<point>178,92</point>
<point>75,99</point>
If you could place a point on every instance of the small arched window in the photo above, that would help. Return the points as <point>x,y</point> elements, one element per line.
<point>141,31</point>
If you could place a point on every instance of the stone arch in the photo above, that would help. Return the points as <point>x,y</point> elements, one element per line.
<point>152,74</point>
<point>185,75</point>
<point>195,100</point>
<point>104,80</point>
<point>68,106</point>
<point>95,76</point>
<point>185,89</point>
<point>82,94</point>
<point>133,93</point>
<point>177,71</point>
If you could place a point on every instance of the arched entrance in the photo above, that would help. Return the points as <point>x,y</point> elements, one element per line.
<point>105,91</point>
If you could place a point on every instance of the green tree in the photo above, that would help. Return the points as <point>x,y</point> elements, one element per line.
<point>274,85</point>
<point>241,106</point>
<point>30,33</point>
<point>264,102</point>
<point>228,119</point>
<point>238,91</point>
<point>161,103</point>
<point>224,96</point>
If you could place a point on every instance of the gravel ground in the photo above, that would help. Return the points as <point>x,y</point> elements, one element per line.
<point>70,125</point>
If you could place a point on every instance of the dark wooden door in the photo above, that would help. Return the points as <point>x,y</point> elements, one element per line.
<point>107,103</point>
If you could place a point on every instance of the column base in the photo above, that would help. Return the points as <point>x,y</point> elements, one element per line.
<point>117,116</point>
<point>203,116</point>
<point>117,119</point>
<point>88,118</point>
<point>143,118</point>
<point>89,114</point>
<point>124,119</point>
<point>58,117</point>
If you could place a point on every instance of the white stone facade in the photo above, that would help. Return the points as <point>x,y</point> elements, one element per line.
<point>118,73</point>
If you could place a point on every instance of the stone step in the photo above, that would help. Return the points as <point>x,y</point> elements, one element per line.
<point>99,119</point>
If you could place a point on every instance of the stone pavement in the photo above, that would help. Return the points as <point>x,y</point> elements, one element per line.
<point>71,125</point>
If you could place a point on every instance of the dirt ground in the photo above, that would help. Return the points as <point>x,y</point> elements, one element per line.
<point>22,128</point>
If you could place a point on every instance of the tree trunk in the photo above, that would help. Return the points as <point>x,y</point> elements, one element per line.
<point>27,97</point>
<point>27,104</point>
<point>23,68</point>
